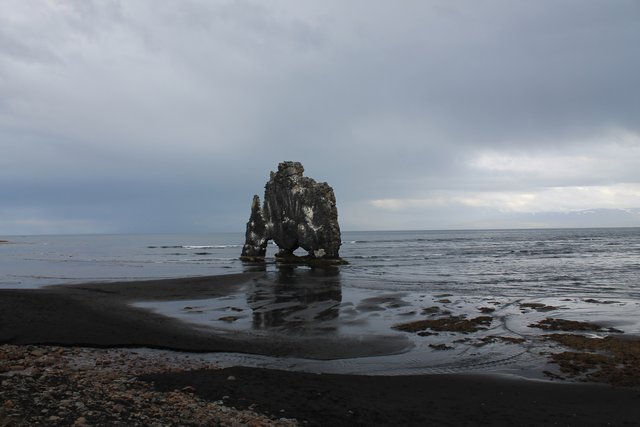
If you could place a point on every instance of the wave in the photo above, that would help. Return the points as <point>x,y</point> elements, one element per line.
<point>414,240</point>
<point>194,246</point>
<point>210,246</point>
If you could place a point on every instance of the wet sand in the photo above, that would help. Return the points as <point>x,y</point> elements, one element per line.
<point>102,315</point>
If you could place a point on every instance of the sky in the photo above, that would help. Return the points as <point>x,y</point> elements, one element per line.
<point>153,116</point>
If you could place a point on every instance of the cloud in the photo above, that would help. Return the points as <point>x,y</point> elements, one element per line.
<point>554,199</point>
<point>612,157</point>
<point>139,103</point>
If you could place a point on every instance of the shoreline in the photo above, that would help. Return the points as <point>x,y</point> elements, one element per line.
<point>39,326</point>
<point>65,386</point>
<point>101,315</point>
<point>308,321</point>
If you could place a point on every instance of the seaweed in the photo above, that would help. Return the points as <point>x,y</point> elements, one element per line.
<point>447,324</point>
<point>538,306</point>
<point>613,360</point>
<point>551,324</point>
<point>441,347</point>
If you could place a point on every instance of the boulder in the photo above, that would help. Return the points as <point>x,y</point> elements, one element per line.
<point>298,212</point>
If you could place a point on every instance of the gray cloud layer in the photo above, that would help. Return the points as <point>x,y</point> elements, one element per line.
<point>168,116</point>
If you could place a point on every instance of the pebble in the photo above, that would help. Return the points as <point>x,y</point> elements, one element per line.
<point>84,387</point>
<point>80,422</point>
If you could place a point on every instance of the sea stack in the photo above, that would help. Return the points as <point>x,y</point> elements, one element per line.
<point>298,212</point>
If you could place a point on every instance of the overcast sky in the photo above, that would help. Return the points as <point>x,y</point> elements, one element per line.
<point>167,116</point>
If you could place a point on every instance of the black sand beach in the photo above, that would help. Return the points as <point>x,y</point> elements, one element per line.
<point>98,315</point>
<point>457,400</point>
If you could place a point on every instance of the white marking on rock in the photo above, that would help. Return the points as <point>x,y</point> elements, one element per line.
<point>308,214</point>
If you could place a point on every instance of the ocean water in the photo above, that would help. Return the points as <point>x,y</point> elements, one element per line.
<point>517,263</point>
<point>392,277</point>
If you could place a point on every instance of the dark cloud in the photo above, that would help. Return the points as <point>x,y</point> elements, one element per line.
<point>108,110</point>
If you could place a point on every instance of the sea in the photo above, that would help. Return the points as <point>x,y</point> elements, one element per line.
<point>517,277</point>
<point>597,262</point>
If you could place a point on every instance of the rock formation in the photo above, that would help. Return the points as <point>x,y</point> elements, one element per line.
<point>255,245</point>
<point>298,212</point>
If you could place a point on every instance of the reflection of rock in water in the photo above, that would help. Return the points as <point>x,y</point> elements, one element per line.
<point>296,299</point>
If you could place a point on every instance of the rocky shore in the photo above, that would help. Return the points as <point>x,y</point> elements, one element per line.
<point>60,386</point>
<point>76,386</point>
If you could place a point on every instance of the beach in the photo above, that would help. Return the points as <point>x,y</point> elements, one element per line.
<point>319,213</point>
<point>100,315</point>
<point>46,332</point>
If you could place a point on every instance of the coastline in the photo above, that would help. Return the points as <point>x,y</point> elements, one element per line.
<point>90,318</point>
<point>63,386</point>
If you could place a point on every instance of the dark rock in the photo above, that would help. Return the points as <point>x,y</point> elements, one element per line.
<point>298,212</point>
<point>255,246</point>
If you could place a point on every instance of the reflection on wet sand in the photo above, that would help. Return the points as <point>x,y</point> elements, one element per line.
<point>296,299</point>
<point>317,313</point>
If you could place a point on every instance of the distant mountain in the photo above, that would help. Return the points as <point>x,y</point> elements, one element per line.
<point>570,219</point>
